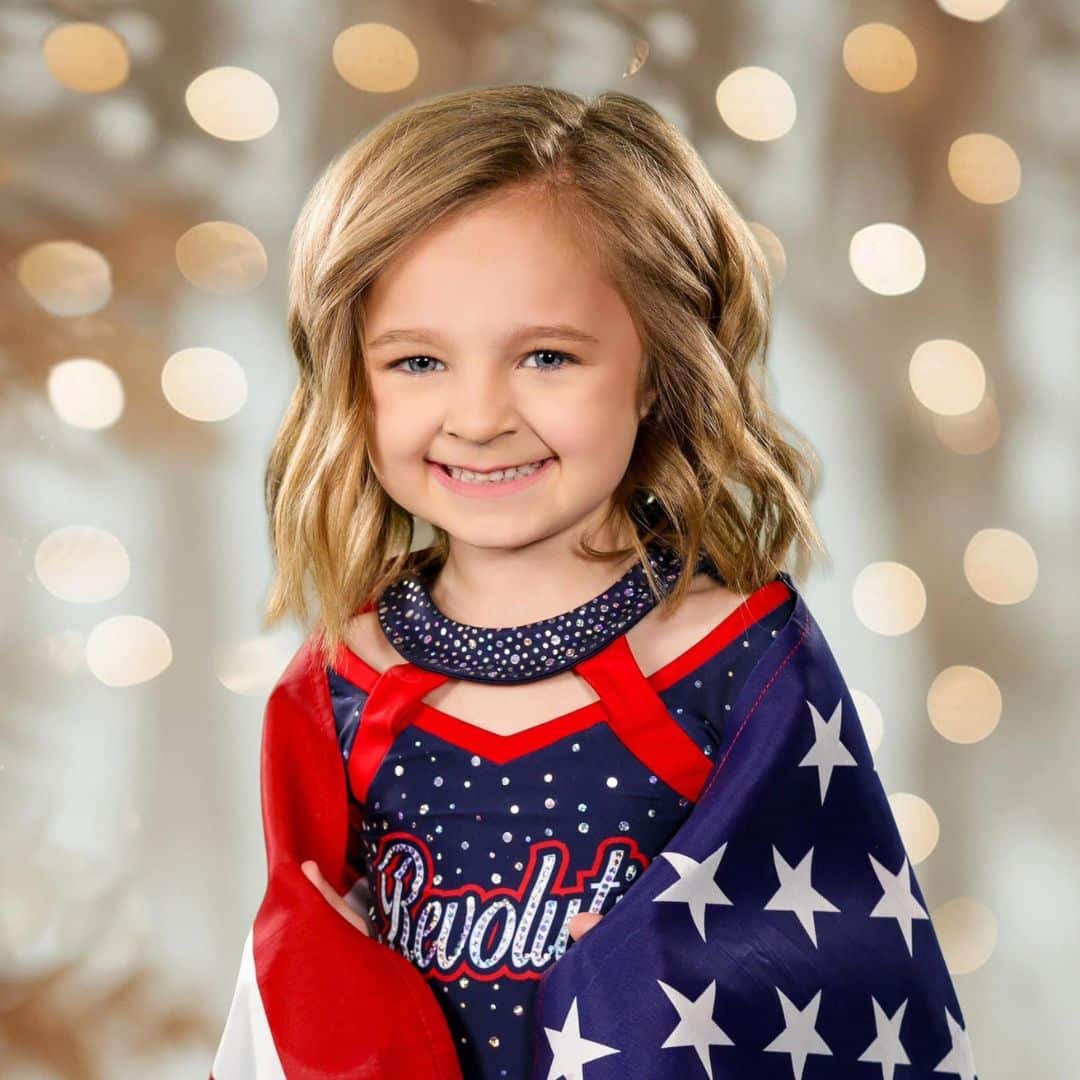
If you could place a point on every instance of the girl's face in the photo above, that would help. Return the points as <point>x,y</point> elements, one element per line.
<point>484,389</point>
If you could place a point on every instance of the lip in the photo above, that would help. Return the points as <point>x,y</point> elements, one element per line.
<point>470,468</point>
<point>490,490</point>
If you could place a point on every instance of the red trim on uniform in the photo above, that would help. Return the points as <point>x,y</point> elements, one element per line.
<point>390,708</point>
<point>503,748</point>
<point>753,609</point>
<point>642,722</point>
<point>357,671</point>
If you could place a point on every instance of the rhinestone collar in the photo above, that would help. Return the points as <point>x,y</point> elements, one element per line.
<point>515,654</point>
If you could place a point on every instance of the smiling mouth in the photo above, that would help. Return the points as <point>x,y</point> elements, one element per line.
<point>498,468</point>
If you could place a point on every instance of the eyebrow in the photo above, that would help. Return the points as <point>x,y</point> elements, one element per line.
<point>430,337</point>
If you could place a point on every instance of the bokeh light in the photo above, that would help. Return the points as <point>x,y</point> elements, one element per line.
<point>65,277</point>
<point>889,598</point>
<point>972,10</point>
<point>984,168</point>
<point>756,103</point>
<point>221,257</point>
<point>887,258</point>
<point>204,384</point>
<point>376,57</point>
<point>1000,565</point>
<point>85,393</point>
<point>82,564</point>
<point>252,667</point>
<point>86,57</point>
<point>967,932</point>
<point>964,704</point>
<point>947,376</point>
<point>880,58</point>
<point>232,103</point>
<point>918,825</point>
<point>126,650</point>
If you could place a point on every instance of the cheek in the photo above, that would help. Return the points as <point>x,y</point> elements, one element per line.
<point>397,428</point>
<point>389,442</point>
<point>600,427</point>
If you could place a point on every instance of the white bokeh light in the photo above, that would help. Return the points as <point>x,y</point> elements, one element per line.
<point>889,598</point>
<point>65,277</point>
<point>204,384</point>
<point>887,258</point>
<point>126,650</point>
<point>82,564</point>
<point>85,393</point>
<point>232,103</point>
<point>756,103</point>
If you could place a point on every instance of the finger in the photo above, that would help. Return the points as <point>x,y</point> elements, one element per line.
<point>312,872</point>
<point>582,923</point>
<point>314,875</point>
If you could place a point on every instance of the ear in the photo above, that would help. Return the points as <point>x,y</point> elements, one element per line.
<point>647,405</point>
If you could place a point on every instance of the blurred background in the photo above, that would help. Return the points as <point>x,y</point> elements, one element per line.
<point>910,170</point>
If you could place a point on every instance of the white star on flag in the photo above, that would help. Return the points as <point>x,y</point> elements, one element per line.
<point>828,751</point>
<point>886,1049</point>
<point>696,1026</point>
<point>960,1058</point>
<point>570,1051</point>
<point>695,886</point>
<point>797,894</point>
<point>799,1038</point>
<point>898,902</point>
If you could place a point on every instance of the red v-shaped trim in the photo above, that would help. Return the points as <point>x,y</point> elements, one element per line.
<point>391,706</point>
<point>641,721</point>
<point>403,693</point>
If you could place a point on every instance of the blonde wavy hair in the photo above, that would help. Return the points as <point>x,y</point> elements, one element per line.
<point>710,471</point>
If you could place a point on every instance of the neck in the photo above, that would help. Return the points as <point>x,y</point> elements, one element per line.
<point>499,587</point>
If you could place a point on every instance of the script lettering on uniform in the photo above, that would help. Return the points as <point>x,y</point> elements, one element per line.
<point>500,932</point>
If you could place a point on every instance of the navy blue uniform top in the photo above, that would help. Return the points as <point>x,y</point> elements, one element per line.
<point>476,849</point>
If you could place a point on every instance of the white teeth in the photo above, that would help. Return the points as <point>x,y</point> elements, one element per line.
<point>494,477</point>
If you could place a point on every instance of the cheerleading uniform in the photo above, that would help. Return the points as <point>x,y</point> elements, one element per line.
<point>476,849</point>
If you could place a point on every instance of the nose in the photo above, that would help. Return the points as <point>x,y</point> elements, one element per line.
<point>479,406</point>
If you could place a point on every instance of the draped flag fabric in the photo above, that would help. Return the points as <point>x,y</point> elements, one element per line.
<point>781,933</point>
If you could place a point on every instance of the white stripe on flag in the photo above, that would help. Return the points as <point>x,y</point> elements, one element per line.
<point>246,1050</point>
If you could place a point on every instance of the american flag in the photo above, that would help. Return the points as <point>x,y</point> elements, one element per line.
<point>781,933</point>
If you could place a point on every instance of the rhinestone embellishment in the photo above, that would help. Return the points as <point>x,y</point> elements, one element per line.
<point>433,641</point>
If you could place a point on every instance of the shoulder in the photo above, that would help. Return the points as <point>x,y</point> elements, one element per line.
<point>660,637</point>
<point>707,602</point>
<point>708,597</point>
<point>364,636</point>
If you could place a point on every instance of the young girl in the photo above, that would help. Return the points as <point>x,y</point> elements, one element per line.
<point>531,322</point>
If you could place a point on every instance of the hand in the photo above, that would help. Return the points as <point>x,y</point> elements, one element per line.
<point>338,903</point>
<point>582,923</point>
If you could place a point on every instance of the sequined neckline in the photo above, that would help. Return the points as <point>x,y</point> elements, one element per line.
<point>426,637</point>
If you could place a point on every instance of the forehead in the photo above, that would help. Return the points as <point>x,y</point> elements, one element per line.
<point>514,260</point>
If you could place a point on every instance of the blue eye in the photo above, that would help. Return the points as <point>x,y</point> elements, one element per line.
<point>396,366</point>
<point>551,352</point>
